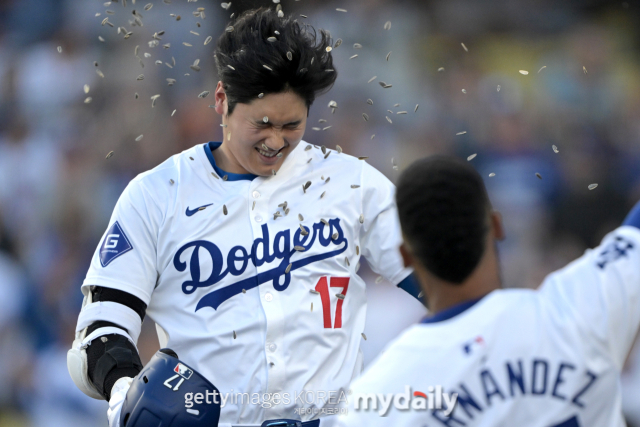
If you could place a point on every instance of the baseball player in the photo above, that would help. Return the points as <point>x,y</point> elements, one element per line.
<point>487,356</point>
<point>245,252</point>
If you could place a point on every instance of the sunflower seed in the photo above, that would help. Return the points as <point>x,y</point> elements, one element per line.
<point>267,67</point>
<point>229,28</point>
<point>303,231</point>
<point>379,279</point>
<point>187,44</point>
<point>208,40</point>
<point>204,94</point>
<point>363,158</point>
<point>355,186</point>
<point>364,336</point>
<point>231,67</point>
<point>139,138</point>
<point>361,219</point>
<point>357,46</point>
<point>289,56</point>
<point>388,119</point>
<point>136,95</point>
<point>109,155</point>
<point>370,101</point>
<point>171,182</point>
<point>441,69</point>
<point>357,250</point>
<point>339,149</point>
<point>365,117</point>
<point>229,137</point>
<point>271,39</point>
<point>388,55</point>
<point>224,209</point>
<point>98,72</point>
<point>300,217</point>
<point>276,32</point>
<point>585,71</point>
<point>354,56</point>
<point>193,32</point>
<point>538,175</point>
<point>401,112</point>
<point>309,161</point>
<point>592,186</point>
<point>288,269</point>
<point>372,79</point>
<point>86,88</point>
<point>316,129</point>
<point>338,43</point>
<point>555,149</point>
<point>387,25</point>
<point>59,49</point>
<point>327,155</point>
<point>225,5</point>
<point>215,176</point>
<point>421,294</point>
<point>328,49</point>
<point>158,62</point>
<point>244,291</point>
<point>341,10</point>
<point>471,157</point>
<point>148,6</point>
<point>265,119</point>
<point>306,185</point>
<point>193,67</point>
<point>87,100</point>
<point>273,172</point>
<point>334,236</point>
<point>299,248</point>
<point>340,296</point>
<point>492,174</point>
<point>192,159</point>
<point>385,85</point>
<point>140,77</point>
<point>390,112</point>
<point>313,291</point>
<point>226,177</point>
<point>322,195</point>
<point>326,127</point>
<point>543,67</point>
<point>304,16</point>
<point>464,47</point>
<point>461,133</point>
<point>101,39</point>
<point>498,89</point>
<point>234,335</point>
<point>523,72</point>
<point>153,100</point>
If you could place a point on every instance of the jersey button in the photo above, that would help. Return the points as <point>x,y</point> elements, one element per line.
<point>272,347</point>
<point>258,218</point>
<point>268,297</point>
<point>256,194</point>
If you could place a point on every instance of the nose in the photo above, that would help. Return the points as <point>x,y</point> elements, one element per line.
<point>275,141</point>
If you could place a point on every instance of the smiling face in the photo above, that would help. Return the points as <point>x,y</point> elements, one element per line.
<point>262,133</point>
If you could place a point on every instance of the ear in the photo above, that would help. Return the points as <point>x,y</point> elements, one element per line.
<point>496,225</point>
<point>221,100</point>
<point>406,255</point>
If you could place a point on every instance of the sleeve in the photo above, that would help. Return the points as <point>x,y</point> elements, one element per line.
<point>125,258</point>
<point>600,291</point>
<point>380,233</point>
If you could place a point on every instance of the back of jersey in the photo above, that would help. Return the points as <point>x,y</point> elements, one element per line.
<point>549,357</point>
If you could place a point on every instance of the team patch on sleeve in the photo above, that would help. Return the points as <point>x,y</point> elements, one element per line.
<point>115,244</point>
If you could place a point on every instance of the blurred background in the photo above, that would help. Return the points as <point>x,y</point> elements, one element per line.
<point>57,190</point>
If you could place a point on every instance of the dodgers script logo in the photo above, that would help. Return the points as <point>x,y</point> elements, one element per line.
<point>268,254</point>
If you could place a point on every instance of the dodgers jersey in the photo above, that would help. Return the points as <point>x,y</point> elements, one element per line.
<point>255,301</point>
<point>549,357</point>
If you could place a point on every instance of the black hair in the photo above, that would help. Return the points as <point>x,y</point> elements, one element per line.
<point>259,38</point>
<point>444,215</point>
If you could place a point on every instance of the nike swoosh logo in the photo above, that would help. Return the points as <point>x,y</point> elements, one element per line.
<point>190,212</point>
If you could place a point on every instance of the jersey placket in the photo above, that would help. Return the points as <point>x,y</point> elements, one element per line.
<point>260,192</point>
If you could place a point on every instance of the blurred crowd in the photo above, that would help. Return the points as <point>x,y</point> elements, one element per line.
<point>505,80</point>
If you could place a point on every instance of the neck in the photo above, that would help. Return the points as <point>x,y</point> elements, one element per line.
<point>226,161</point>
<point>485,278</point>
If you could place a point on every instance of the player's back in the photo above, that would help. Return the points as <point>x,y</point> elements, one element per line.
<point>547,357</point>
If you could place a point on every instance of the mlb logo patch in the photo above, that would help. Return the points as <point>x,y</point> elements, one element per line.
<point>476,343</point>
<point>183,371</point>
<point>115,244</point>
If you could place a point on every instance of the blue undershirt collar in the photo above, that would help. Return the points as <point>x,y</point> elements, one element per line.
<point>208,150</point>
<point>451,311</point>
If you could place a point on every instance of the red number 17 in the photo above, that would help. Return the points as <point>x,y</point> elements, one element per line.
<point>323,288</point>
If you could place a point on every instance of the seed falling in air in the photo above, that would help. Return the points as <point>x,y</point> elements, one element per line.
<point>86,88</point>
<point>491,175</point>
<point>498,88</point>
<point>148,6</point>
<point>538,175</point>
<point>592,186</point>
<point>98,72</point>
<point>137,96</point>
<point>341,10</point>
<point>416,109</point>
<point>543,67</point>
<point>555,149</point>
<point>224,209</point>
<point>140,77</point>
<point>153,100</point>
<point>441,69</point>
<point>234,335</point>
<point>289,56</point>
<point>353,56</point>
<point>308,147</point>
<point>322,195</point>
<point>523,72</point>
<point>280,14</point>
<point>464,91</point>
<point>370,101</point>
<point>365,117</point>
<point>88,99</point>
<point>364,336</point>
<point>229,28</point>
<point>387,25</point>
<point>357,250</point>
<point>59,49</point>
<point>300,217</point>
<point>379,279</point>
<point>260,95</point>
<point>231,67</point>
<point>339,149</point>
<point>187,44</point>
<point>471,157</point>
<point>225,5</point>
<point>372,79</point>
<point>171,182</point>
<point>109,155</point>
<point>204,94</point>
<point>461,133</point>
<point>338,43</point>
<point>388,55</point>
<point>267,67</point>
<point>363,157</point>
<point>388,119</point>
<point>139,138</point>
<point>208,40</point>
<point>355,186</point>
<point>271,39</point>
<point>361,219</point>
<point>585,71</point>
<point>101,39</point>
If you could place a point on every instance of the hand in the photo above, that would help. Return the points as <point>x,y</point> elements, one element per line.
<point>118,393</point>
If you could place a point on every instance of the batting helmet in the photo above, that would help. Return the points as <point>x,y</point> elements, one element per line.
<point>162,395</point>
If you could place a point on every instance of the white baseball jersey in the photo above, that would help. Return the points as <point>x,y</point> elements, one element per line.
<point>257,302</point>
<point>546,357</point>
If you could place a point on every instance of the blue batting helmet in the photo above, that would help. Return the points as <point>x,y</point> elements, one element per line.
<point>162,394</point>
